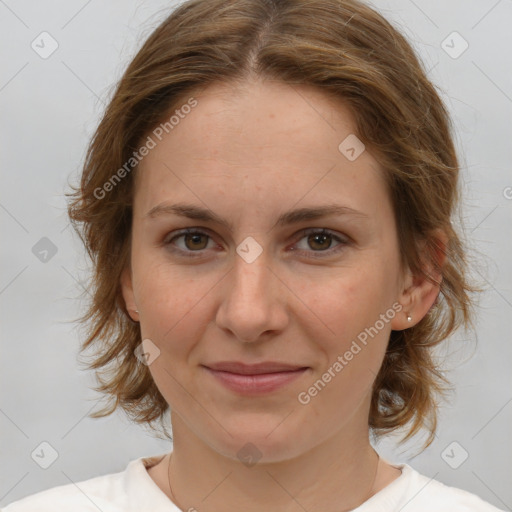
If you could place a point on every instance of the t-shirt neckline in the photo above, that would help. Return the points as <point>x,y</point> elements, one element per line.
<point>388,496</point>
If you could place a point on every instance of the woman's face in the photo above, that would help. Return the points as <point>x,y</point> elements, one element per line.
<point>251,288</point>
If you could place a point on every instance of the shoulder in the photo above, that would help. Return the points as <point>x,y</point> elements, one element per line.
<point>103,493</point>
<point>131,489</point>
<point>422,494</point>
<point>61,498</point>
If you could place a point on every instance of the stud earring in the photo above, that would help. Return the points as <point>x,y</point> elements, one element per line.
<point>409,318</point>
<point>136,311</point>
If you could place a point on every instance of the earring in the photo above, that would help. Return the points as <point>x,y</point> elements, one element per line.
<point>409,318</point>
<point>136,311</point>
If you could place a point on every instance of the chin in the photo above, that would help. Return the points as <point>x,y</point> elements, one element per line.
<point>262,442</point>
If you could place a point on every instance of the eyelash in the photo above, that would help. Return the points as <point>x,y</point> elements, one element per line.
<point>303,233</point>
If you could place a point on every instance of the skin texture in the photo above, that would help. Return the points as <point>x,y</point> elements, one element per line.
<point>249,153</point>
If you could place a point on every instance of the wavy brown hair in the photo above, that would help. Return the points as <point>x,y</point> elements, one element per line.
<point>350,52</point>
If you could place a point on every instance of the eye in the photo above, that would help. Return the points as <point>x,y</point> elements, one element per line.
<point>193,241</point>
<point>320,241</point>
<point>316,241</point>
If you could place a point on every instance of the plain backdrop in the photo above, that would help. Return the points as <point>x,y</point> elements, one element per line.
<point>50,108</point>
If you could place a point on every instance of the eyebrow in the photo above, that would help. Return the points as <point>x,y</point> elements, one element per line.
<point>291,217</point>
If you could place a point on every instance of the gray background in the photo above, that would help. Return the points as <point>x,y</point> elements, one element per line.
<point>49,109</point>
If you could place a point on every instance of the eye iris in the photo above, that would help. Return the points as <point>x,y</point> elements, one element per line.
<point>321,236</point>
<point>195,237</point>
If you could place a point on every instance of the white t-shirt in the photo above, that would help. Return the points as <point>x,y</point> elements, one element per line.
<point>133,490</point>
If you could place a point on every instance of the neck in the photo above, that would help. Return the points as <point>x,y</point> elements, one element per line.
<point>337,475</point>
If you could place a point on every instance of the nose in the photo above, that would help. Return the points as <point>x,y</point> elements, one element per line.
<point>252,305</point>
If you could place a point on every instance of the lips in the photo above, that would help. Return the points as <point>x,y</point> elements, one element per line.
<point>253,369</point>
<point>254,379</point>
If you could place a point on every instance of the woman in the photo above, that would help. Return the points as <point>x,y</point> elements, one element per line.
<point>267,203</point>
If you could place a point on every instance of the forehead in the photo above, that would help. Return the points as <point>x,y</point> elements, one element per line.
<point>251,114</point>
<point>267,139</point>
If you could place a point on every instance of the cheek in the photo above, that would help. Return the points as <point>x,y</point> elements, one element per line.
<point>174,308</point>
<point>355,342</point>
<point>349,300</point>
<point>353,347</point>
<point>173,303</point>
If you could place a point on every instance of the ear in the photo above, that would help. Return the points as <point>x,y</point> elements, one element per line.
<point>420,292</point>
<point>128,295</point>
